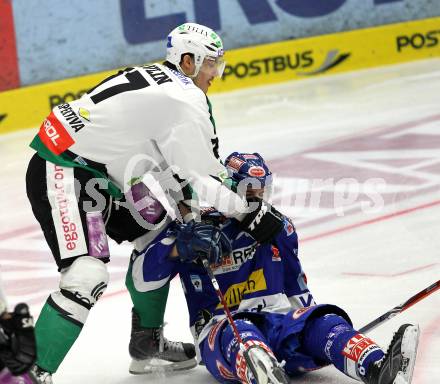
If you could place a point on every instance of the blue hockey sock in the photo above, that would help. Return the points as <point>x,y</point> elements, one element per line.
<point>330,338</point>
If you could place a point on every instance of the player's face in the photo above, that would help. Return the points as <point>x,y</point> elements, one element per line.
<point>210,69</point>
<point>250,192</point>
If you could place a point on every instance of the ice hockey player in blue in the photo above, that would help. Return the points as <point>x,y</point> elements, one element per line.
<point>281,337</point>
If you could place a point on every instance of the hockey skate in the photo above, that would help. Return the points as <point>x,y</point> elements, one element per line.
<point>397,365</point>
<point>258,365</point>
<point>40,376</point>
<point>151,352</point>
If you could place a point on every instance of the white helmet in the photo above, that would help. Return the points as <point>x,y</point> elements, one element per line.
<point>198,40</point>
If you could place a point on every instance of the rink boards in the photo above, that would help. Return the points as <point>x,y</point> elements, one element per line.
<point>265,64</point>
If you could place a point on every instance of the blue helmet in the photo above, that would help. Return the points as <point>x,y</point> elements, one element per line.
<point>243,166</point>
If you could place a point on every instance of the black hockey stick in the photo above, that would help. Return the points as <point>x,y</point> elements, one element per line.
<point>400,308</point>
<point>228,315</point>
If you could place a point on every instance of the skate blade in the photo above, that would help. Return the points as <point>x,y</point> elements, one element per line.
<point>277,376</point>
<point>159,366</point>
<point>262,377</point>
<point>267,372</point>
<point>257,362</point>
<point>410,342</point>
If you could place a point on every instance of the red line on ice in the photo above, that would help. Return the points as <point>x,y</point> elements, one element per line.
<point>390,274</point>
<point>18,232</point>
<point>425,344</point>
<point>111,294</point>
<point>371,221</point>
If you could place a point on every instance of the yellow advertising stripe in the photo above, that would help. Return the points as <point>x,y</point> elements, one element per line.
<point>265,64</point>
<point>327,54</point>
<point>256,282</point>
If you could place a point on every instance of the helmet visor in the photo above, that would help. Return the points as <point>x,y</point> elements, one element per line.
<point>214,65</point>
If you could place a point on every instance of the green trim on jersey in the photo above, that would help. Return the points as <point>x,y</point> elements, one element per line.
<point>231,184</point>
<point>211,117</point>
<point>64,161</point>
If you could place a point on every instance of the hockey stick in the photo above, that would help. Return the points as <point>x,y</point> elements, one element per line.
<point>228,315</point>
<point>400,308</point>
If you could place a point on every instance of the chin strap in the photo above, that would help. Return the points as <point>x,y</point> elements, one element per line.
<point>196,71</point>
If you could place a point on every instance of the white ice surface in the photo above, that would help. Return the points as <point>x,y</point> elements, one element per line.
<point>365,262</point>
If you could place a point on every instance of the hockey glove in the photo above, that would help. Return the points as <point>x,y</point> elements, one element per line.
<point>263,223</point>
<point>17,340</point>
<point>200,240</point>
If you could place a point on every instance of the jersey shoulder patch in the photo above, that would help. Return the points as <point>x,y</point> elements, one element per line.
<point>289,228</point>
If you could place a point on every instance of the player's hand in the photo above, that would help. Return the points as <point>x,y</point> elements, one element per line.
<point>200,240</point>
<point>264,223</point>
<point>17,340</point>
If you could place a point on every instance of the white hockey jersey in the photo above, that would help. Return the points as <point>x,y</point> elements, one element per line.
<point>144,120</point>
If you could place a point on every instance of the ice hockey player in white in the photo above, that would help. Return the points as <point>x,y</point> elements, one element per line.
<point>149,120</point>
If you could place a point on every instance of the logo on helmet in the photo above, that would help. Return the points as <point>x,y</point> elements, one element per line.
<point>250,157</point>
<point>217,40</point>
<point>256,171</point>
<point>235,163</point>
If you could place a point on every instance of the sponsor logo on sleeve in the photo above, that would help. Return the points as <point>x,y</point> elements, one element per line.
<point>54,136</point>
<point>71,117</point>
<point>196,281</point>
<point>275,254</point>
<point>289,227</point>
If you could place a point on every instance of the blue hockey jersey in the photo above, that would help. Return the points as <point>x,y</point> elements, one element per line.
<point>253,277</point>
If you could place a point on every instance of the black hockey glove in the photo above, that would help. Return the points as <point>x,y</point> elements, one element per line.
<point>200,240</point>
<point>17,340</point>
<point>263,223</point>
